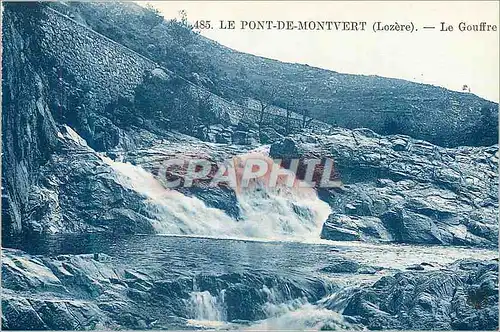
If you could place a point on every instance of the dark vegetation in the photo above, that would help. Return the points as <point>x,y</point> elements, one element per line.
<point>165,104</point>
<point>158,105</point>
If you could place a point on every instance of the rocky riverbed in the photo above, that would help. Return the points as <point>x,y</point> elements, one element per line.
<point>404,190</point>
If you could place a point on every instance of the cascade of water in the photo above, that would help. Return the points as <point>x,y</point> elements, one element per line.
<point>267,213</point>
<point>307,317</point>
<point>205,307</point>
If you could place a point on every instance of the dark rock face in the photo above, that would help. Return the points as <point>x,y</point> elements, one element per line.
<point>355,228</point>
<point>78,204</point>
<point>47,166</point>
<point>269,135</point>
<point>28,137</point>
<point>464,297</point>
<point>244,138</point>
<point>420,194</point>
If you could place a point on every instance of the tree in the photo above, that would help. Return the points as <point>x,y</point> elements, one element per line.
<point>306,119</point>
<point>183,18</point>
<point>168,103</point>
<point>181,30</point>
<point>395,122</point>
<point>288,117</point>
<point>207,114</point>
<point>265,96</point>
<point>486,131</point>
<point>152,16</point>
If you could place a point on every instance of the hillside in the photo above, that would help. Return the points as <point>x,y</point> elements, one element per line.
<point>387,106</point>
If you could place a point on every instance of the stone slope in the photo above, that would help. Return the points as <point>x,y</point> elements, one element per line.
<point>94,292</point>
<point>464,296</point>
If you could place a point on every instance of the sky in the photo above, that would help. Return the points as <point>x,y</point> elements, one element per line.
<point>448,59</point>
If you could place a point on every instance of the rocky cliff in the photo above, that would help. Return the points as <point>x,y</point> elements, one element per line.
<point>45,163</point>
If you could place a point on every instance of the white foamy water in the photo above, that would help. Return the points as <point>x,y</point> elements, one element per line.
<point>273,214</point>
<point>308,317</point>
<point>205,307</point>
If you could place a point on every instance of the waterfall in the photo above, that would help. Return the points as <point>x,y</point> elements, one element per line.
<point>307,317</point>
<point>272,214</point>
<point>205,307</point>
<point>177,213</point>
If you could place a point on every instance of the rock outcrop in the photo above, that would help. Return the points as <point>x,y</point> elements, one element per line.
<point>396,188</point>
<point>52,180</point>
<point>462,297</point>
<point>28,136</point>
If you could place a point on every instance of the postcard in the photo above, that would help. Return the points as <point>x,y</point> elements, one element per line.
<point>250,165</point>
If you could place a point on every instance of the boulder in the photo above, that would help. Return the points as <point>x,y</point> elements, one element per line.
<point>160,73</point>
<point>285,148</point>
<point>269,135</point>
<point>335,233</point>
<point>341,264</point>
<point>244,138</point>
<point>339,227</point>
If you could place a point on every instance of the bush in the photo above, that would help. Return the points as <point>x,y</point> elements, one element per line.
<point>171,104</point>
